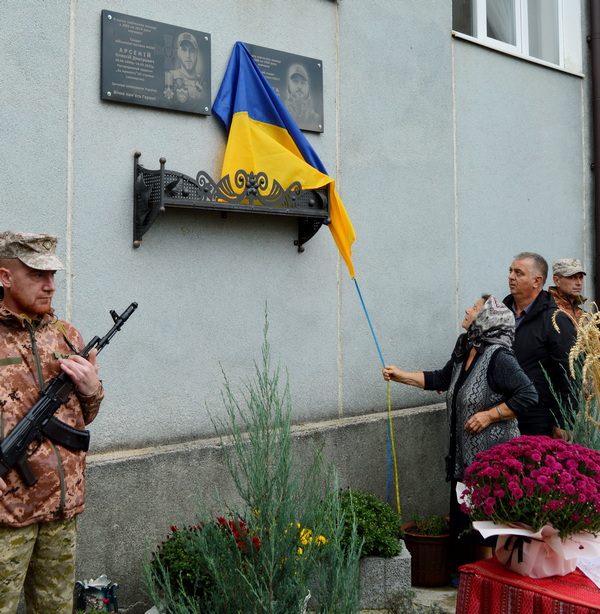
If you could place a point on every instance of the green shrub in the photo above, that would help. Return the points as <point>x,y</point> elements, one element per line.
<point>184,567</point>
<point>429,525</point>
<point>182,558</point>
<point>377,523</point>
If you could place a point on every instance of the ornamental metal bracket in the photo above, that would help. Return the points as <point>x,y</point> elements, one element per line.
<point>156,191</point>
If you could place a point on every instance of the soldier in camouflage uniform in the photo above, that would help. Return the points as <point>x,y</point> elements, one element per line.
<point>38,523</point>
<point>568,277</point>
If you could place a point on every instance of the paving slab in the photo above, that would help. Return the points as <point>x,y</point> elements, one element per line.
<point>444,596</point>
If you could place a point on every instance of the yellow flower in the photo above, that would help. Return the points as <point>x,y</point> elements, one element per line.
<point>305,536</point>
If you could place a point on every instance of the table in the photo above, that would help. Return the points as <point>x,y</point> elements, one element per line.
<point>487,588</point>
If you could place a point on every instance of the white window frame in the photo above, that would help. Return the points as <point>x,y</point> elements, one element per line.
<point>570,51</point>
<point>481,27</point>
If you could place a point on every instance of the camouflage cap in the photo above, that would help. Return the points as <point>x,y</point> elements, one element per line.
<point>567,267</point>
<point>187,37</point>
<point>298,69</point>
<point>34,250</point>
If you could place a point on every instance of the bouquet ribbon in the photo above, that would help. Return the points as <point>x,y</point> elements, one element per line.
<point>515,542</point>
<point>542,553</point>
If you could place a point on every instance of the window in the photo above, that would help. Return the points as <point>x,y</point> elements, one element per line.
<point>546,31</point>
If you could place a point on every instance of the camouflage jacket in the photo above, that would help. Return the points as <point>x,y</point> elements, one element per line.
<point>29,352</point>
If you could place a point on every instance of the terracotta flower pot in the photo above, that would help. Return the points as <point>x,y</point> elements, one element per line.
<point>430,565</point>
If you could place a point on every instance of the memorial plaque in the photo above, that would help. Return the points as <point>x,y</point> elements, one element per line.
<point>155,64</point>
<point>298,81</point>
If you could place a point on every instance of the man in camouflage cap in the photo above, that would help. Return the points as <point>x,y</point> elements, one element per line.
<point>37,523</point>
<point>568,277</point>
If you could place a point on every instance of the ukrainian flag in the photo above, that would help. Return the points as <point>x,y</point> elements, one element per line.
<point>263,137</point>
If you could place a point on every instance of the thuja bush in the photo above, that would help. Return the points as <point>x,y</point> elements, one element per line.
<point>290,545</point>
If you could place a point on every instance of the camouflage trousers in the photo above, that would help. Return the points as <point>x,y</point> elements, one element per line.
<point>40,559</point>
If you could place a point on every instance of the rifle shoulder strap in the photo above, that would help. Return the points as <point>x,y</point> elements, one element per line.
<point>61,328</point>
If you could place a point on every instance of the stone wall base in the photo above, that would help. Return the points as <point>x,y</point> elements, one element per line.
<point>380,578</point>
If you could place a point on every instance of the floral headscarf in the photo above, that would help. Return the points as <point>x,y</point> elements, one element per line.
<point>494,324</point>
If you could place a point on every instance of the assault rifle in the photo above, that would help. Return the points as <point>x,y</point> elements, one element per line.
<point>39,422</point>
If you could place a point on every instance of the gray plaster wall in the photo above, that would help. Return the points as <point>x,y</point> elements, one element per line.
<point>450,158</point>
<point>523,177</point>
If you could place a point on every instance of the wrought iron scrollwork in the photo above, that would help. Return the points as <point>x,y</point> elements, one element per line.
<point>155,191</point>
<point>252,188</point>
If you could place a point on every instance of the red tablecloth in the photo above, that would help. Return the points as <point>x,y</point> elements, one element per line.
<point>487,588</point>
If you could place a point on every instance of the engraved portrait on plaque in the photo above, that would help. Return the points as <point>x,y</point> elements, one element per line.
<point>155,64</point>
<point>297,80</point>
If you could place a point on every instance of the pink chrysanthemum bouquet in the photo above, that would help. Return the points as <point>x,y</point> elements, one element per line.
<point>541,496</point>
<point>536,481</point>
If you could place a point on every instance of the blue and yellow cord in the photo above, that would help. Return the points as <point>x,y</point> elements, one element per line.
<point>392,463</point>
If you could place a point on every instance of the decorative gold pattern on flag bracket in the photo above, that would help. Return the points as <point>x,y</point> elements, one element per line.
<point>155,191</point>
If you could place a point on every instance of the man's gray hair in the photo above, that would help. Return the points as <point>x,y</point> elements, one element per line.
<point>539,263</point>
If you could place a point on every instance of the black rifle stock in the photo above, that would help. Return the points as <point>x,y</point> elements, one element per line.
<point>39,421</point>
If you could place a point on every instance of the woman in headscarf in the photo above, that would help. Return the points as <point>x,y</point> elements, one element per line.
<point>486,390</point>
